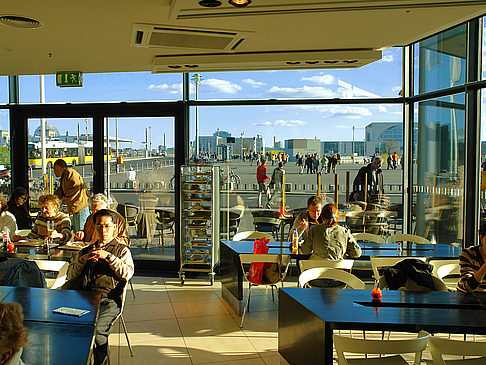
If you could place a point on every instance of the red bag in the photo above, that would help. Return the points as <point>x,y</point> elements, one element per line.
<point>256,268</point>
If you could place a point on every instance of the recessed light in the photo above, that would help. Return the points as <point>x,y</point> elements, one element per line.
<point>312,62</point>
<point>210,3</point>
<point>240,3</point>
<point>20,22</point>
<point>174,66</point>
<point>331,61</point>
<point>293,62</point>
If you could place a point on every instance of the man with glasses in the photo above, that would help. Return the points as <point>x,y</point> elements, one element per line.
<point>105,267</point>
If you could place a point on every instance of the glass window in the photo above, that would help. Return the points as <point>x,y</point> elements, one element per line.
<point>483,153</point>
<point>327,83</point>
<point>237,137</point>
<point>105,87</point>
<point>438,168</point>
<point>483,53</point>
<point>5,165</point>
<point>440,61</point>
<point>3,89</point>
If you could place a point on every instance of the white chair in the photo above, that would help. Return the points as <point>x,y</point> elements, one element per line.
<point>348,280</point>
<point>368,237</point>
<point>380,262</point>
<point>49,266</point>
<point>443,268</point>
<point>439,285</point>
<point>22,232</point>
<point>441,346</point>
<point>265,258</point>
<point>403,237</point>
<point>122,322</point>
<point>336,264</point>
<point>250,235</point>
<point>382,347</point>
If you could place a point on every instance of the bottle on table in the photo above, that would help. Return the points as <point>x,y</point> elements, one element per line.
<point>295,241</point>
<point>6,236</point>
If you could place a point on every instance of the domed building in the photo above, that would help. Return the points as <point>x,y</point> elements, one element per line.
<point>51,132</point>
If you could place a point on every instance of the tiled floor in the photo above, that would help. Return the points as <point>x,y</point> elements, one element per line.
<point>191,324</point>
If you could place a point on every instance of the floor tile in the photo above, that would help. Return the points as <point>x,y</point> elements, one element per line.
<point>190,295</point>
<point>252,361</point>
<point>170,352</point>
<point>144,332</point>
<point>199,309</point>
<point>148,312</point>
<point>220,325</point>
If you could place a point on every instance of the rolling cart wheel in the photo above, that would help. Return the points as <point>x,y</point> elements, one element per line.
<point>211,279</point>
<point>182,277</point>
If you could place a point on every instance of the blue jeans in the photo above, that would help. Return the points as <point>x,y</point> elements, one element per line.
<point>78,219</point>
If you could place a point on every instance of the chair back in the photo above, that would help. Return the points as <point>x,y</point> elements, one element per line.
<point>165,219</point>
<point>381,262</point>
<point>266,221</point>
<point>368,237</point>
<point>60,267</point>
<point>361,346</point>
<point>346,264</point>
<point>401,237</point>
<point>441,346</point>
<point>250,235</point>
<point>443,268</point>
<point>22,232</point>
<point>128,211</point>
<point>266,258</point>
<point>330,273</point>
<point>439,285</point>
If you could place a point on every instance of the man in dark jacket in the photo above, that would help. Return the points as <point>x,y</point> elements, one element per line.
<point>105,267</point>
<point>374,179</point>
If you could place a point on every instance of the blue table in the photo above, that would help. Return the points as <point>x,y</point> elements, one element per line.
<point>232,277</point>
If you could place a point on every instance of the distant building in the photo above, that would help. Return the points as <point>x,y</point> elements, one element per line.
<point>384,137</point>
<point>344,148</point>
<point>234,145</point>
<point>302,146</point>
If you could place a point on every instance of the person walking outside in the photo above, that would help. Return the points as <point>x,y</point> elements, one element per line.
<point>277,183</point>
<point>73,193</point>
<point>324,163</point>
<point>395,160</point>
<point>389,162</point>
<point>262,179</point>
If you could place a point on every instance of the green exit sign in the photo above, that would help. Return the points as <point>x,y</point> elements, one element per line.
<point>69,79</point>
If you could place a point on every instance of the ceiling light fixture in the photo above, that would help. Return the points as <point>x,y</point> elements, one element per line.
<point>20,22</point>
<point>240,3</point>
<point>210,3</point>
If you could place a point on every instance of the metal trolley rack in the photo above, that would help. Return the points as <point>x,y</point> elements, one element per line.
<point>199,220</point>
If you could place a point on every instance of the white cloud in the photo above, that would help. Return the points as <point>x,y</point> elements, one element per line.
<point>305,91</point>
<point>222,86</point>
<point>396,89</point>
<point>343,111</point>
<point>280,123</point>
<point>320,79</point>
<point>342,126</point>
<point>253,83</point>
<point>173,89</point>
<point>387,58</point>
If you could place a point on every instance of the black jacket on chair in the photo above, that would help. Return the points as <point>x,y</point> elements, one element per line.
<point>414,269</point>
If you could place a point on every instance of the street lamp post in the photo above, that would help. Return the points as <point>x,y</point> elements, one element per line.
<point>197,80</point>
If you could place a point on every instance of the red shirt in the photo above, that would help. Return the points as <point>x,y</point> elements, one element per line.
<point>262,174</point>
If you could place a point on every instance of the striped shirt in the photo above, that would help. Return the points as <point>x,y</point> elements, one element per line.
<point>62,224</point>
<point>470,261</point>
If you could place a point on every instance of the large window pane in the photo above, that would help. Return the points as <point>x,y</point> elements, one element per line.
<point>328,83</point>
<point>3,90</point>
<point>106,87</point>
<point>235,137</point>
<point>438,167</point>
<point>5,165</point>
<point>440,61</point>
<point>141,176</point>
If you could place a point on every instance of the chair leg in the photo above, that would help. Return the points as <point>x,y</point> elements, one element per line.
<point>246,306</point>
<point>273,296</point>
<point>126,334</point>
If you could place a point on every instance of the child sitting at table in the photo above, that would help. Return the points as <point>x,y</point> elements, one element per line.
<point>13,335</point>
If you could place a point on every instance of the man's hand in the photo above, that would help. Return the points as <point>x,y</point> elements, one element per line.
<point>96,254</point>
<point>79,235</point>
<point>55,234</point>
<point>304,224</point>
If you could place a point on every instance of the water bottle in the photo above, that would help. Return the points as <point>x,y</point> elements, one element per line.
<point>295,241</point>
<point>6,236</point>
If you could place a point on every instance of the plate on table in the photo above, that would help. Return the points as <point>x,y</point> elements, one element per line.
<point>29,243</point>
<point>73,246</point>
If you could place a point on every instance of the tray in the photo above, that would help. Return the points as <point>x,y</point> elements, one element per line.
<point>74,247</point>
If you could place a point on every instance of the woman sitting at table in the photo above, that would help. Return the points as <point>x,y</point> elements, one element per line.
<point>7,219</point>
<point>49,211</point>
<point>329,240</point>
<point>17,205</point>
<point>13,335</point>
<point>473,266</point>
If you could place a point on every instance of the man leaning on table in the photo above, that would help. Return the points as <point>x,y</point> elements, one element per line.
<point>73,193</point>
<point>473,266</point>
<point>309,217</point>
<point>88,234</point>
<point>105,267</point>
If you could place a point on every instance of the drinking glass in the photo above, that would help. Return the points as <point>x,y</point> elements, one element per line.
<point>50,229</point>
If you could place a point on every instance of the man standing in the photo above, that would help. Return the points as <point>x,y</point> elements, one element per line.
<point>395,160</point>
<point>374,181</point>
<point>104,267</point>
<point>262,179</point>
<point>73,193</point>
<point>277,182</point>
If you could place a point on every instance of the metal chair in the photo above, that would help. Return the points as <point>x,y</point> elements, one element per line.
<point>263,258</point>
<point>130,213</point>
<point>48,266</point>
<point>230,219</point>
<point>381,347</point>
<point>381,262</point>
<point>122,322</point>
<point>444,268</point>
<point>346,264</point>
<point>348,280</point>
<point>266,221</point>
<point>441,346</point>
<point>165,220</point>
<point>368,237</point>
<point>439,285</point>
<point>250,235</point>
<point>403,237</point>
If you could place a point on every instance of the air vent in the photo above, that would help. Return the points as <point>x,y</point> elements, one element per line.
<point>265,61</point>
<point>20,22</point>
<point>155,36</point>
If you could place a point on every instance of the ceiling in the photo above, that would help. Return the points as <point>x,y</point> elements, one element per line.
<point>179,35</point>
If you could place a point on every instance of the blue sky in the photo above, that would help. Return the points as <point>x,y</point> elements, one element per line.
<point>326,122</point>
